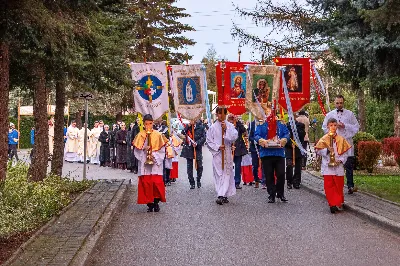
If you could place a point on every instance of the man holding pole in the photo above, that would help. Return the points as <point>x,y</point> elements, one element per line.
<point>220,138</point>
<point>192,150</point>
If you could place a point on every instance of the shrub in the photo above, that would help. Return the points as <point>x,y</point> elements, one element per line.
<point>360,136</point>
<point>25,205</point>
<point>368,154</point>
<point>391,147</point>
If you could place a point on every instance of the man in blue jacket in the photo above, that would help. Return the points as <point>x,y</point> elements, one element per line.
<point>13,138</point>
<point>273,158</point>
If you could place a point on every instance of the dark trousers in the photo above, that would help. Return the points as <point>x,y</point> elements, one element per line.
<point>296,178</point>
<point>255,163</point>
<point>304,158</point>
<point>349,167</point>
<point>190,170</point>
<point>238,169</point>
<point>12,151</point>
<point>271,165</point>
<point>167,173</point>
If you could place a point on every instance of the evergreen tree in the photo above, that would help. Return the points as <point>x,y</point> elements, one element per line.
<point>159,32</point>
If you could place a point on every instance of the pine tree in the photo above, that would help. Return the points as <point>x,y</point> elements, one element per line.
<point>159,32</point>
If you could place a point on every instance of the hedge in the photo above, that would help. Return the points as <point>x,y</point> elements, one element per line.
<point>361,136</point>
<point>368,154</point>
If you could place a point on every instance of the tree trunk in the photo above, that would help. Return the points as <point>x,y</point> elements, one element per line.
<point>58,153</point>
<point>4,94</point>
<point>118,117</point>
<point>38,168</point>
<point>396,120</point>
<point>362,119</point>
<point>78,119</point>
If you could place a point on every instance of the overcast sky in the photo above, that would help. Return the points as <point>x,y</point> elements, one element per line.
<point>212,20</point>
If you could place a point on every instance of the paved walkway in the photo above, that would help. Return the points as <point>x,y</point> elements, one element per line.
<point>59,243</point>
<point>192,229</point>
<point>378,210</point>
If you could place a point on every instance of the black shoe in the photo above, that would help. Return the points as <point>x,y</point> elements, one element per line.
<point>135,172</point>
<point>351,190</point>
<point>150,207</point>
<point>169,183</point>
<point>156,206</point>
<point>282,198</point>
<point>244,184</point>
<point>192,186</point>
<point>238,187</point>
<point>296,186</point>
<point>220,201</point>
<point>289,186</point>
<point>271,200</point>
<point>225,200</point>
<point>198,184</point>
<point>334,209</point>
<point>173,180</point>
<point>251,183</point>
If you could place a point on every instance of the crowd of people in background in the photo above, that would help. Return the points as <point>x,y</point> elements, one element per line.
<point>254,157</point>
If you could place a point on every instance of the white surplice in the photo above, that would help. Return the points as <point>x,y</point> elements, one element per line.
<point>337,170</point>
<point>224,179</point>
<point>351,126</point>
<point>146,169</point>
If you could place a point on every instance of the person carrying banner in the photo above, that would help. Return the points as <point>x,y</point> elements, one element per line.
<point>150,151</point>
<point>334,150</point>
<point>192,150</point>
<point>222,166</point>
<point>255,159</point>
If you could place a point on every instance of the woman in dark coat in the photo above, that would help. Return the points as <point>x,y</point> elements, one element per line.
<point>132,162</point>
<point>113,145</point>
<point>120,140</point>
<point>105,156</point>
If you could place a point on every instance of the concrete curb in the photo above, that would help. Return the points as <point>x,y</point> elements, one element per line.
<point>89,243</point>
<point>44,227</point>
<point>363,213</point>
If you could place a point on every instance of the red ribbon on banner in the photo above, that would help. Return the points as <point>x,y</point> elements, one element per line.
<point>321,104</point>
<point>271,119</point>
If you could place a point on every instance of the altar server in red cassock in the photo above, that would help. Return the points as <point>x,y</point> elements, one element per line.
<point>332,167</point>
<point>151,189</point>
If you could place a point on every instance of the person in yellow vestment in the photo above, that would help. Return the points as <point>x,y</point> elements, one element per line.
<point>150,151</point>
<point>332,166</point>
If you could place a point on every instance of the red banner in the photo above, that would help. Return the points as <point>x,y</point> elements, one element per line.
<point>233,94</point>
<point>297,78</point>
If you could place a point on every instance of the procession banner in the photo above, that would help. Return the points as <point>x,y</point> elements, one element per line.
<point>233,94</point>
<point>150,93</point>
<point>297,80</point>
<point>188,90</point>
<point>263,83</point>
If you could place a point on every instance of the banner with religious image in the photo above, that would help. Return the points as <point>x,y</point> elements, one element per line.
<point>150,90</point>
<point>262,84</point>
<point>297,79</point>
<point>188,89</point>
<point>233,93</point>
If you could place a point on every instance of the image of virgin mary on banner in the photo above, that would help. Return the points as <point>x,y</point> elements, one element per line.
<point>297,79</point>
<point>263,84</point>
<point>188,88</point>
<point>150,92</point>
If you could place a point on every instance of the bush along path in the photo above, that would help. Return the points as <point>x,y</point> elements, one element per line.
<point>68,239</point>
<point>25,206</point>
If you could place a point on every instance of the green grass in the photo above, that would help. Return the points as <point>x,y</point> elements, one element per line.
<point>384,186</point>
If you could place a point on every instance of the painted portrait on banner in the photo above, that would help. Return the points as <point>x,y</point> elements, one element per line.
<point>189,90</point>
<point>238,82</point>
<point>293,78</point>
<point>262,88</point>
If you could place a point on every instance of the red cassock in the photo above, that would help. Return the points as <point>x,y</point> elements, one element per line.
<point>150,187</point>
<point>247,174</point>
<point>333,186</point>
<point>174,170</point>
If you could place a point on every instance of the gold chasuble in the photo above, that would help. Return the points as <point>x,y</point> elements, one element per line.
<point>341,143</point>
<point>157,140</point>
